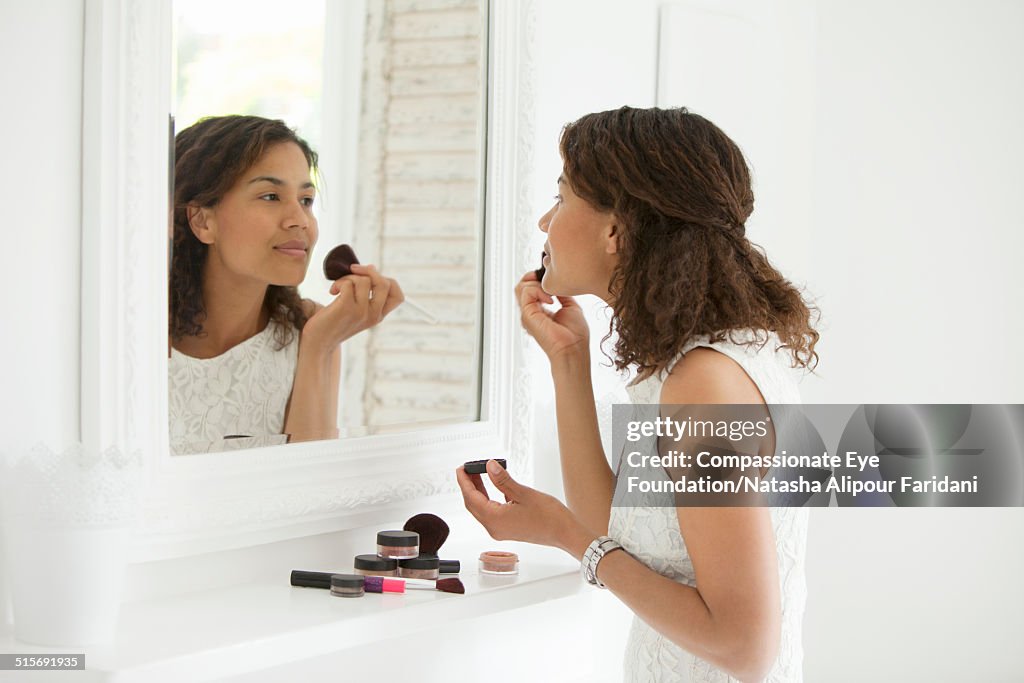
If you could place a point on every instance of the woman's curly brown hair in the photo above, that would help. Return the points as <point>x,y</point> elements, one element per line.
<point>209,157</point>
<point>680,191</point>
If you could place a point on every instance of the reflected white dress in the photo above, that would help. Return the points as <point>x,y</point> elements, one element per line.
<point>234,400</point>
<point>651,534</point>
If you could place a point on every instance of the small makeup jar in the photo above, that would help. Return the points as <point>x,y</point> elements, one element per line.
<point>348,585</point>
<point>422,567</point>
<point>499,562</point>
<point>398,545</point>
<point>375,565</point>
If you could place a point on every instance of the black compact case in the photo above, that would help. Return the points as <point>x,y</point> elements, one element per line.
<point>480,466</point>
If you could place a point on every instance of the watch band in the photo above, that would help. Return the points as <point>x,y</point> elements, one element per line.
<point>592,556</point>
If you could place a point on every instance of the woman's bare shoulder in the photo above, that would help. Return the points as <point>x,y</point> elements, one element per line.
<point>706,376</point>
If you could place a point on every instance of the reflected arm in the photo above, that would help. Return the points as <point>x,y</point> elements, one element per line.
<point>587,479</point>
<point>312,412</point>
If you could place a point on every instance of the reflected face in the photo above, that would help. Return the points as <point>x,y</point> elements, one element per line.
<point>580,245</point>
<point>263,228</point>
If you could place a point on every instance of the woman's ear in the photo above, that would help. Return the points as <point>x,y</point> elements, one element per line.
<point>611,245</point>
<point>202,222</point>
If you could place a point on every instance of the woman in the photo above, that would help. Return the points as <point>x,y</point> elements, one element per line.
<point>250,359</point>
<point>650,217</point>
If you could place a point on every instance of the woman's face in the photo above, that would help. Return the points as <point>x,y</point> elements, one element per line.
<point>263,228</point>
<point>580,246</point>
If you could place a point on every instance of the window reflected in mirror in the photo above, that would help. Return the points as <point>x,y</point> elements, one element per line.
<point>391,95</point>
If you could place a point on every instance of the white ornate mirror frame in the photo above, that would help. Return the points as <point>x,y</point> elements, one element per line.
<point>203,503</point>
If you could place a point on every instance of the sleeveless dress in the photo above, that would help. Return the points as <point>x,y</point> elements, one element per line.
<point>651,535</point>
<point>234,400</point>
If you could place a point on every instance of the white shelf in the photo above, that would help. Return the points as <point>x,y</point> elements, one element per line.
<point>256,626</point>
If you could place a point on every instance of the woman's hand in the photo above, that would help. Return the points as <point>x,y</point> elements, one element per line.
<point>527,515</point>
<point>559,333</point>
<point>363,299</point>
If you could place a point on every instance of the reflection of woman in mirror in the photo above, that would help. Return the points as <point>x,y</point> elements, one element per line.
<point>251,361</point>
<point>650,216</point>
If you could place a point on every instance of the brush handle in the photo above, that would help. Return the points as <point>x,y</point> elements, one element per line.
<point>424,313</point>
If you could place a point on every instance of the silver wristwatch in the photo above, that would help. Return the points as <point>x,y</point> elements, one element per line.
<point>599,547</point>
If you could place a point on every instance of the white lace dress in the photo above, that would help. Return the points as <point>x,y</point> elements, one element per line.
<point>651,534</point>
<point>234,400</point>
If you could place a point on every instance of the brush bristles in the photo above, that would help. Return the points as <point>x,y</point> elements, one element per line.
<point>432,529</point>
<point>452,585</point>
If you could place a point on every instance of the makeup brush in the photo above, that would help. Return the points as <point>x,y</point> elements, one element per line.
<point>433,533</point>
<point>432,529</point>
<point>383,584</point>
<point>338,263</point>
<point>540,271</point>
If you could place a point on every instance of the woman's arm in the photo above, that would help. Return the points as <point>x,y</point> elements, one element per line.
<point>588,481</point>
<point>564,337</point>
<point>312,412</point>
<point>736,601</point>
<point>363,299</point>
<point>732,617</point>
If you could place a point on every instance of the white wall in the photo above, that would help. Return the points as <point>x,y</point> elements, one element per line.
<point>915,260</point>
<point>40,177</point>
<point>895,205</point>
<point>917,178</point>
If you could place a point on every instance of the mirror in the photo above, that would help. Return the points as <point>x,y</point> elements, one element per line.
<point>392,95</point>
<point>219,501</point>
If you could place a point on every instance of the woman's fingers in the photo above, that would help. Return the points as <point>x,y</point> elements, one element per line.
<point>504,482</point>
<point>344,289</point>
<point>532,314</point>
<point>380,289</point>
<point>362,299</point>
<point>387,294</point>
<point>473,495</point>
<point>529,283</point>
<point>568,302</point>
<point>370,271</point>
<point>530,296</point>
<point>360,288</point>
<point>476,481</point>
<point>363,287</point>
<point>395,296</point>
